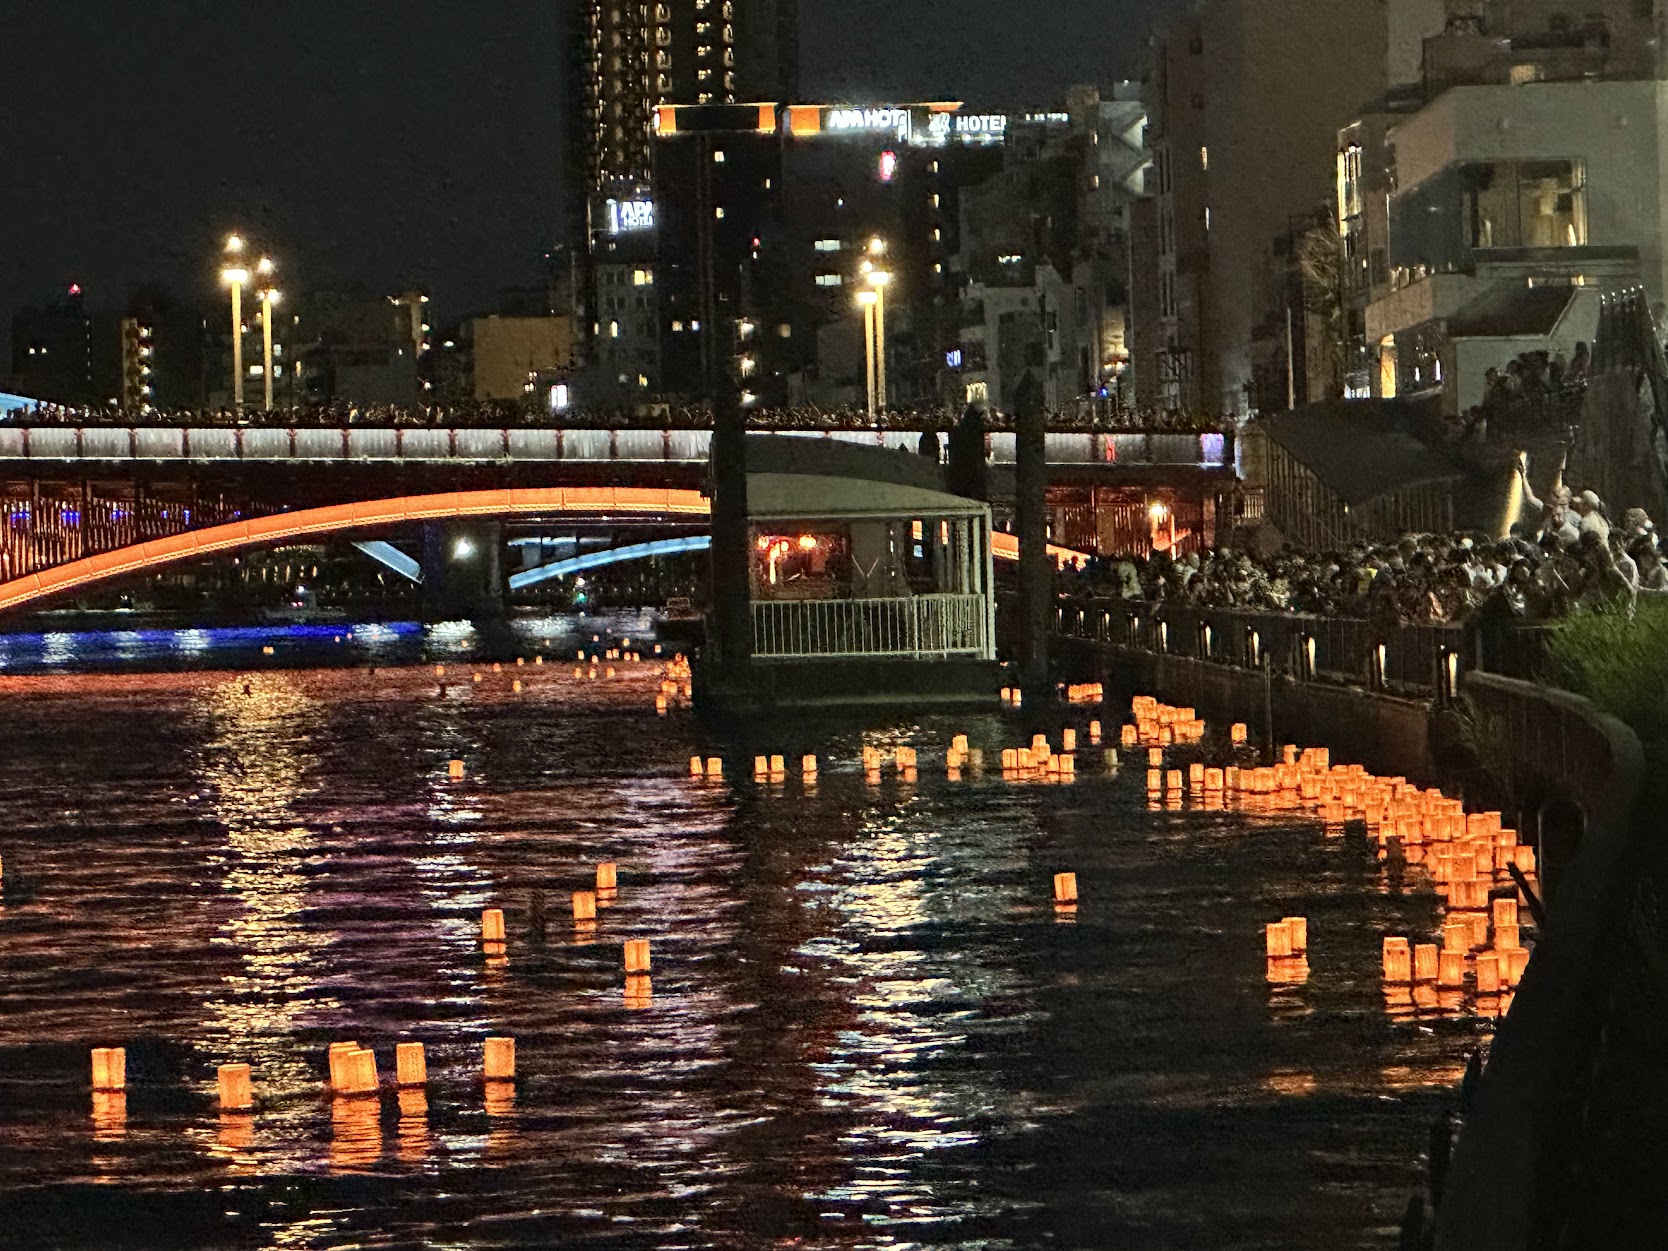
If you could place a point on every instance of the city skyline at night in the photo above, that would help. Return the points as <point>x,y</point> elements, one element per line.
<point>378,151</point>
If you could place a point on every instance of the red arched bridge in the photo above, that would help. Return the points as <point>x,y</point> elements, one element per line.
<point>199,536</point>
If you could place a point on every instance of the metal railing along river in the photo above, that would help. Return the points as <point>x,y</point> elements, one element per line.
<point>1413,659</point>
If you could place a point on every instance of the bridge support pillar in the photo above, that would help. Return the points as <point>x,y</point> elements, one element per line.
<point>1036,572</point>
<point>463,570</point>
<point>732,552</point>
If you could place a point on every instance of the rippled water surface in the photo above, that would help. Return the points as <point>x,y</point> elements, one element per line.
<point>868,1027</point>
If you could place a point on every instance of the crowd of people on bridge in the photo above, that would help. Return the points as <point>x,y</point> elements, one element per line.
<point>507,414</point>
<point>1571,557</point>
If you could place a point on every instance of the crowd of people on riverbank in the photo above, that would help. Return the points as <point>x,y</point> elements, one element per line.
<point>1570,558</point>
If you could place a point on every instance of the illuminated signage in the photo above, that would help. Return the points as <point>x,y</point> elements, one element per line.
<point>626,216</point>
<point>977,127</point>
<point>947,127</point>
<point>894,121</point>
<point>915,124</point>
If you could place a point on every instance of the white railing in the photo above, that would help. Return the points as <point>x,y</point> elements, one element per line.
<point>472,444</point>
<point>920,625</point>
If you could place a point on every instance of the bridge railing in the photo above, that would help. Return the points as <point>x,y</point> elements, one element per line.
<point>529,444</point>
<point>1416,659</point>
<point>917,626</point>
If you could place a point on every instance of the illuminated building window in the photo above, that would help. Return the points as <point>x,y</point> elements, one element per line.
<point>827,245</point>
<point>642,277</point>
<point>613,330</point>
<point>677,327</point>
<point>719,212</point>
<point>830,280</point>
<point>1204,157</point>
<point>718,157</point>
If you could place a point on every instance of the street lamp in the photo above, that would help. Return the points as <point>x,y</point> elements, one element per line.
<point>879,279</point>
<point>868,300</point>
<point>235,275</point>
<point>269,297</point>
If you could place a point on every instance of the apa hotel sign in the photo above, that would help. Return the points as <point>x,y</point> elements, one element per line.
<point>629,216</point>
<point>889,120</point>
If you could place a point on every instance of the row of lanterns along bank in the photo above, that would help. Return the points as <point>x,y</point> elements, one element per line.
<point>1473,962</point>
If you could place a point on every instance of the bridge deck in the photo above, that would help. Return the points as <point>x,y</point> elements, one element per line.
<point>61,445</point>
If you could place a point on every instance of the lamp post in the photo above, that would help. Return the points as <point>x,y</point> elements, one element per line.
<point>269,297</point>
<point>878,280</point>
<point>868,300</point>
<point>235,275</point>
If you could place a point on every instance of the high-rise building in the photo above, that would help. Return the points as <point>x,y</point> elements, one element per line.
<point>767,227</point>
<point>1245,100</point>
<point>643,56</point>
<point>54,354</point>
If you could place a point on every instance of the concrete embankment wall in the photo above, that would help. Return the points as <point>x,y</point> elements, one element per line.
<point>1507,1189</point>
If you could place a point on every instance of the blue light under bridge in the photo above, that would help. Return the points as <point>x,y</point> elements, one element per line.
<point>613,556</point>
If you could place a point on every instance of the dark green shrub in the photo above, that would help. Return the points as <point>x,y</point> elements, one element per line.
<point>1620,662</point>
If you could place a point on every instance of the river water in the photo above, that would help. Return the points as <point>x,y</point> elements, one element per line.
<point>868,1026</point>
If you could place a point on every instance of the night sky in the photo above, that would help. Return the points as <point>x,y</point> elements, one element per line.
<point>385,143</point>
